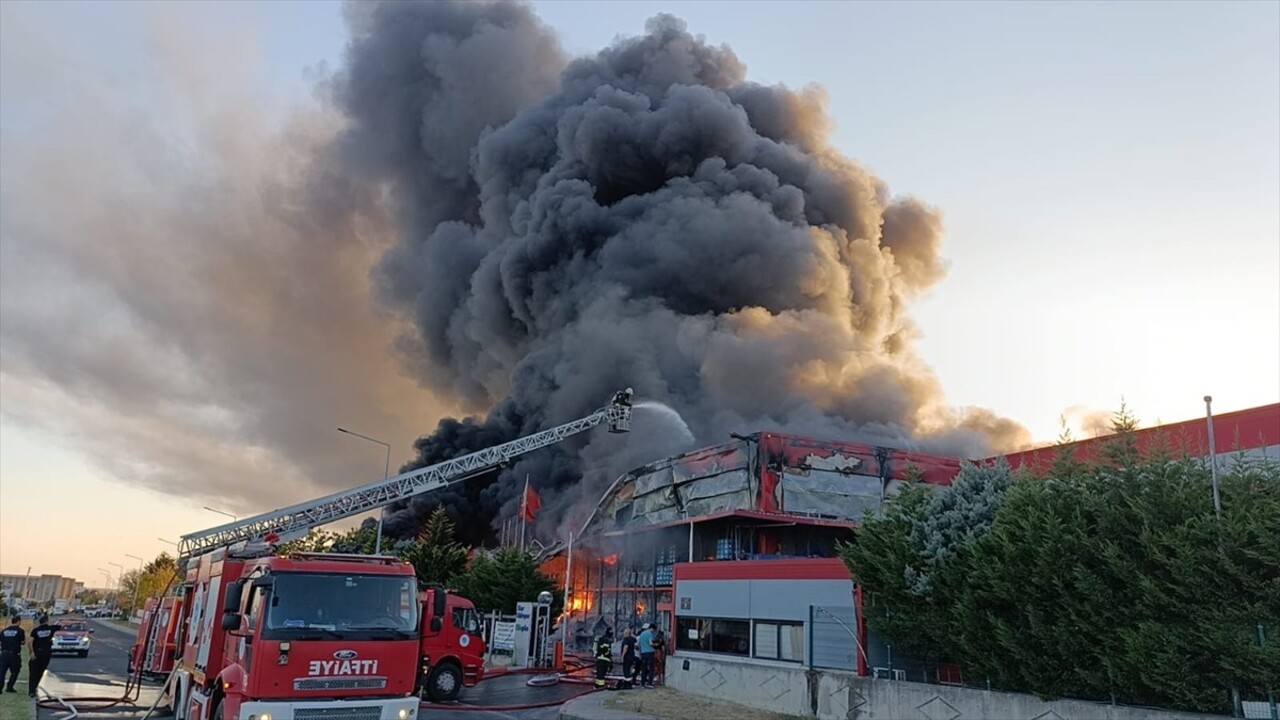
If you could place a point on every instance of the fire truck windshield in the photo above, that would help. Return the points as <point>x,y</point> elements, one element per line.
<point>350,607</point>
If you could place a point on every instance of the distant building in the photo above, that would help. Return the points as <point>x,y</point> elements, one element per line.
<point>38,588</point>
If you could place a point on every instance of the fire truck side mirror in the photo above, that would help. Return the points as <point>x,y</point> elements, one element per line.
<point>439,602</point>
<point>231,621</point>
<point>232,602</point>
<point>231,606</point>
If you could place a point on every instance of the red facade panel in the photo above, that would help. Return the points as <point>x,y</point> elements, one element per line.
<point>798,569</point>
<point>884,462</point>
<point>1242,430</point>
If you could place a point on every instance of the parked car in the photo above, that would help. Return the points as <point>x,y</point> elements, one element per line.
<point>72,636</point>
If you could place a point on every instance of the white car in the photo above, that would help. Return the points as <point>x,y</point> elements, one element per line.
<point>72,637</point>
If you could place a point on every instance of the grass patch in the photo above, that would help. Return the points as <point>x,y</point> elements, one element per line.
<point>15,706</point>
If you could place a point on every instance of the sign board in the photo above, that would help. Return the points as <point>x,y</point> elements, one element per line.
<point>523,634</point>
<point>504,636</point>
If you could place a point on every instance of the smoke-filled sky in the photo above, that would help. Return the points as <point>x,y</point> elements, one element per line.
<point>226,232</point>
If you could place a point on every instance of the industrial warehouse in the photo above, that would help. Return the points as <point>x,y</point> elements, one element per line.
<point>731,549</point>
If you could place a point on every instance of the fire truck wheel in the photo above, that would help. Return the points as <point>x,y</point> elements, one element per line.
<point>217,712</point>
<point>444,682</point>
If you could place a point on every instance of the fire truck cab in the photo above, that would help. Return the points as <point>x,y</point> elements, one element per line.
<point>452,649</point>
<point>298,638</point>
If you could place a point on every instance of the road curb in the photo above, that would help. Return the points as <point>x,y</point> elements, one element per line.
<point>591,707</point>
<point>113,626</point>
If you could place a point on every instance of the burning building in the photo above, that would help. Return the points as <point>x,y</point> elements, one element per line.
<point>731,549</point>
<point>708,542</point>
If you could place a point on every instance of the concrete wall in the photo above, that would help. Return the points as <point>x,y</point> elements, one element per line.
<point>832,695</point>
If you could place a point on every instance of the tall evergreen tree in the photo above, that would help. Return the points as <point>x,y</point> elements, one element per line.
<point>436,554</point>
<point>499,581</point>
<point>1109,580</point>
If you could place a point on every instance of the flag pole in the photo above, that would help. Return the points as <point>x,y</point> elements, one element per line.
<point>568,590</point>
<point>524,510</point>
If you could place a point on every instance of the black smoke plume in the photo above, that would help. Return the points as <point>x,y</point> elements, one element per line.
<point>643,217</point>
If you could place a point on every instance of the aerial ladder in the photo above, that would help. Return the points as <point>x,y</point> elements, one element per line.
<point>291,523</point>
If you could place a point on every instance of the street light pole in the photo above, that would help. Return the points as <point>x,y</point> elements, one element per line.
<point>386,473</point>
<point>220,512</point>
<point>115,603</point>
<point>1213,457</point>
<point>137,584</point>
<point>106,574</point>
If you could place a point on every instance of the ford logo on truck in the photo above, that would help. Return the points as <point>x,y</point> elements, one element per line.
<point>345,654</point>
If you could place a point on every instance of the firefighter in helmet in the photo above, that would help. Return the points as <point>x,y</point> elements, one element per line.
<point>604,656</point>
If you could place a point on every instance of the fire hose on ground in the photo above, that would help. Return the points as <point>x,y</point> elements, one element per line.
<point>92,703</point>
<point>132,689</point>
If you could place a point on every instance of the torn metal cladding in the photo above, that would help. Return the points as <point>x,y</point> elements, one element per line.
<point>770,473</point>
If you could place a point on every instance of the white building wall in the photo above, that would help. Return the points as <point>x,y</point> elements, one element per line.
<point>759,599</point>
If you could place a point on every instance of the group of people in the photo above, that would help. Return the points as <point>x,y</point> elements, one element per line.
<point>642,656</point>
<point>11,640</point>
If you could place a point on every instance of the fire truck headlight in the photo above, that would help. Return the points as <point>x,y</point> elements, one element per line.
<point>265,716</point>
<point>405,713</point>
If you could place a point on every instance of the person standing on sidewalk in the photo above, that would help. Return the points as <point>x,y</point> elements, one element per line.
<point>645,641</point>
<point>659,657</point>
<point>11,640</point>
<point>629,659</point>
<point>41,651</point>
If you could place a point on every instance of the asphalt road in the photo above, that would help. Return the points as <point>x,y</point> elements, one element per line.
<point>107,661</point>
<point>103,675</point>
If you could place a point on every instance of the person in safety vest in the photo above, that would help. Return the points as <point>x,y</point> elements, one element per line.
<point>604,656</point>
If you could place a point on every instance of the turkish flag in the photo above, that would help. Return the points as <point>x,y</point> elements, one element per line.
<point>532,504</point>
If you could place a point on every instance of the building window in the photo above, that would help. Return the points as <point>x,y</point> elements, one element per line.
<point>732,637</point>
<point>778,640</point>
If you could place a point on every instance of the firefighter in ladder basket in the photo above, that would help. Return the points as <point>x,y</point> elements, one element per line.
<point>604,657</point>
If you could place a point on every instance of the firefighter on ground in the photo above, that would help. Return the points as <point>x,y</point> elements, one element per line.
<point>604,656</point>
<point>41,651</point>
<point>11,640</point>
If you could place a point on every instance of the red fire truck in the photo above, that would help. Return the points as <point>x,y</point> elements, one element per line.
<point>320,636</point>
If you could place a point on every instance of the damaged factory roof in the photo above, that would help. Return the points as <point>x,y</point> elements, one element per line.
<point>782,518</point>
<point>769,476</point>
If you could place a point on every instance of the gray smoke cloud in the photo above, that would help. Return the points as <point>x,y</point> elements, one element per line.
<point>184,281</point>
<point>465,221</point>
<point>643,217</point>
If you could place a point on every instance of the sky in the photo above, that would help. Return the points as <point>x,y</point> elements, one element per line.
<point>1108,174</point>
